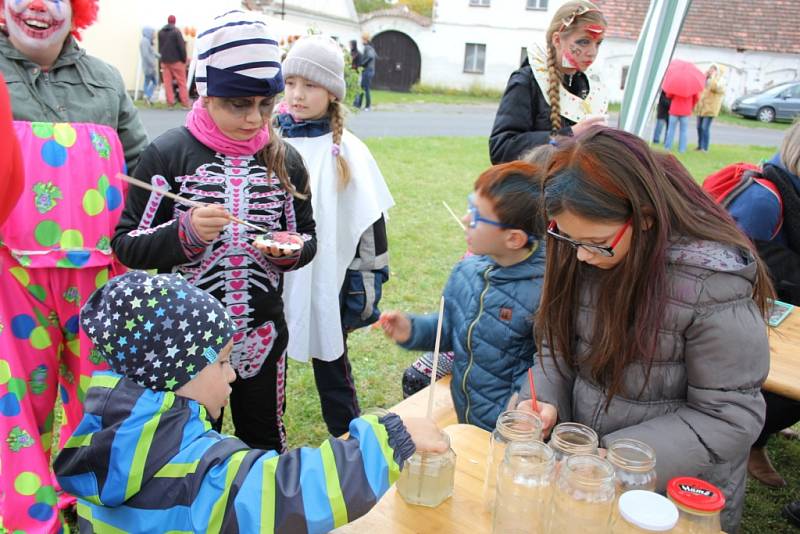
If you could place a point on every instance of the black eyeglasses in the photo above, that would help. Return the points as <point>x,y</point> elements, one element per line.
<point>603,250</point>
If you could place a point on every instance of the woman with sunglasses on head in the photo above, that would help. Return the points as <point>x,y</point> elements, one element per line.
<point>554,92</point>
<point>651,324</point>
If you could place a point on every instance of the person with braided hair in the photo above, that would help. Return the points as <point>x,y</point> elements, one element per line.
<point>350,200</point>
<point>554,92</point>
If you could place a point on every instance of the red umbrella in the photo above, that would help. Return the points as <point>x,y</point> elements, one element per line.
<point>683,79</point>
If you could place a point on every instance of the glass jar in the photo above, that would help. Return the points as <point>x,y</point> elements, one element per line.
<point>511,426</point>
<point>640,512</point>
<point>634,463</point>
<point>427,478</point>
<point>523,488</point>
<point>583,496</point>
<point>699,504</point>
<point>568,439</point>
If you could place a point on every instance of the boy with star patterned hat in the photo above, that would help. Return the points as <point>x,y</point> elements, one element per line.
<point>146,459</point>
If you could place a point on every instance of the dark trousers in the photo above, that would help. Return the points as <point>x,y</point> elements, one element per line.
<point>258,403</point>
<point>337,392</point>
<point>366,82</point>
<point>782,412</point>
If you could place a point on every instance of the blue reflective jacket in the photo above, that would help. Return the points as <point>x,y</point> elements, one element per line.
<point>147,461</point>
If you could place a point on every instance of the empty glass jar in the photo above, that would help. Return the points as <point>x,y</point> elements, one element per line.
<point>524,488</point>
<point>568,439</point>
<point>634,463</point>
<point>427,478</point>
<point>583,496</point>
<point>511,426</point>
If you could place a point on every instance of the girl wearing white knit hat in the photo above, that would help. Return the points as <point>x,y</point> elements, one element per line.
<point>230,164</point>
<point>350,201</point>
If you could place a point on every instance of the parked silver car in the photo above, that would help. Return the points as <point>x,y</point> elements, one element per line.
<point>779,102</point>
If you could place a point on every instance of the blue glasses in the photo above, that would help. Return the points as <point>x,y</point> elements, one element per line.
<point>475,216</point>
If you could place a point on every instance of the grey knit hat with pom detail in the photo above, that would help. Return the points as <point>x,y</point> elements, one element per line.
<point>318,59</point>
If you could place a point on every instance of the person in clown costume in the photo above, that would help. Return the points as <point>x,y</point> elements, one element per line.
<point>76,128</point>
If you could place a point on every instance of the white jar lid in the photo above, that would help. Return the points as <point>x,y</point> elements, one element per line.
<point>648,510</point>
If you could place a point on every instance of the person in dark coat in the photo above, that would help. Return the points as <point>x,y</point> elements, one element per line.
<point>355,55</point>
<point>366,62</point>
<point>551,93</point>
<point>662,116</point>
<point>172,49</point>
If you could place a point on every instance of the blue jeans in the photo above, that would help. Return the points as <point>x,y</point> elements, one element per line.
<point>704,132</point>
<point>661,126</point>
<point>149,85</point>
<point>683,123</point>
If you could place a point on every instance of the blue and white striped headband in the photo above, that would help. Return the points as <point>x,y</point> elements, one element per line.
<point>238,56</point>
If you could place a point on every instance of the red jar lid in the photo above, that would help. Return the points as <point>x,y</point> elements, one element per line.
<point>696,494</point>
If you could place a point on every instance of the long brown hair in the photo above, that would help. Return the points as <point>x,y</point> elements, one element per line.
<point>567,20</point>
<point>610,175</point>
<point>274,156</point>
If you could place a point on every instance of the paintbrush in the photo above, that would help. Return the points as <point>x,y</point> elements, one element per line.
<point>185,201</point>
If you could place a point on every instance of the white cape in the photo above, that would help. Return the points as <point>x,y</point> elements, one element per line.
<point>311,294</point>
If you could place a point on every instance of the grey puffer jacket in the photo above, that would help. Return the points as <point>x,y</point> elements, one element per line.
<point>702,407</point>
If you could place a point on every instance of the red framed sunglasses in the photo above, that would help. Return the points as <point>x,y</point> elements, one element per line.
<point>603,250</point>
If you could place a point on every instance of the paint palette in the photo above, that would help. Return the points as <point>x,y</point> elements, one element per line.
<point>281,240</point>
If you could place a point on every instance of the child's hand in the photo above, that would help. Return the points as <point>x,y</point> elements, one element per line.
<point>273,248</point>
<point>396,325</point>
<point>425,434</point>
<point>209,221</point>
<point>547,412</point>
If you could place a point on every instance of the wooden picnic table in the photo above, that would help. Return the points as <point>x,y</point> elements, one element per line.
<point>463,512</point>
<point>784,365</point>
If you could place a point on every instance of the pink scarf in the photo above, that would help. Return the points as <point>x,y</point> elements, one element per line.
<point>205,130</point>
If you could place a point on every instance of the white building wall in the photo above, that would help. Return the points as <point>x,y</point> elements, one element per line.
<point>746,72</point>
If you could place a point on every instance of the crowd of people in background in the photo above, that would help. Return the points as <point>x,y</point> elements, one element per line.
<point>596,267</point>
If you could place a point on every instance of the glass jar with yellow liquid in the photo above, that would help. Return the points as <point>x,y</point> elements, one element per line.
<point>643,512</point>
<point>427,479</point>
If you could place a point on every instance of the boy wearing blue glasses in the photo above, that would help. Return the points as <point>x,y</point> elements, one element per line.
<point>490,297</point>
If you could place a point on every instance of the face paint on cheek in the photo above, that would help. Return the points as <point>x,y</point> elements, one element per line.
<point>568,60</point>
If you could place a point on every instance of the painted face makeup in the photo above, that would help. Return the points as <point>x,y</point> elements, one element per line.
<point>37,28</point>
<point>579,49</point>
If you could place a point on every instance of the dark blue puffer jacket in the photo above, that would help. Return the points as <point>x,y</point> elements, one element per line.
<point>488,324</point>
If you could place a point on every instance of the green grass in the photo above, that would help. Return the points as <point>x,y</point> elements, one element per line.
<point>732,118</point>
<point>380,97</point>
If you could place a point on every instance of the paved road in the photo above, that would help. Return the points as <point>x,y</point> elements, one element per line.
<point>463,121</point>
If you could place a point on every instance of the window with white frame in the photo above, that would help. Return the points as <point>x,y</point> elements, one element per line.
<point>536,4</point>
<point>475,58</point>
<point>482,3</point>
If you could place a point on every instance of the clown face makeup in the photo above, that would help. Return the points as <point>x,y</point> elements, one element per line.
<point>38,28</point>
<point>578,50</point>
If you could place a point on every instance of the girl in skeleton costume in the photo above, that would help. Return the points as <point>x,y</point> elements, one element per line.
<point>228,158</point>
<point>76,128</point>
<point>350,200</point>
<point>554,92</point>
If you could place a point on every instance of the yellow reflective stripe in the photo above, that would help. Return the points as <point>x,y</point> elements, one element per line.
<point>332,486</point>
<point>383,440</point>
<point>218,512</point>
<point>75,442</point>
<point>104,381</point>
<point>143,447</point>
<point>177,470</point>
<point>268,496</point>
<point>203,414</point>
<point>99,527</point>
